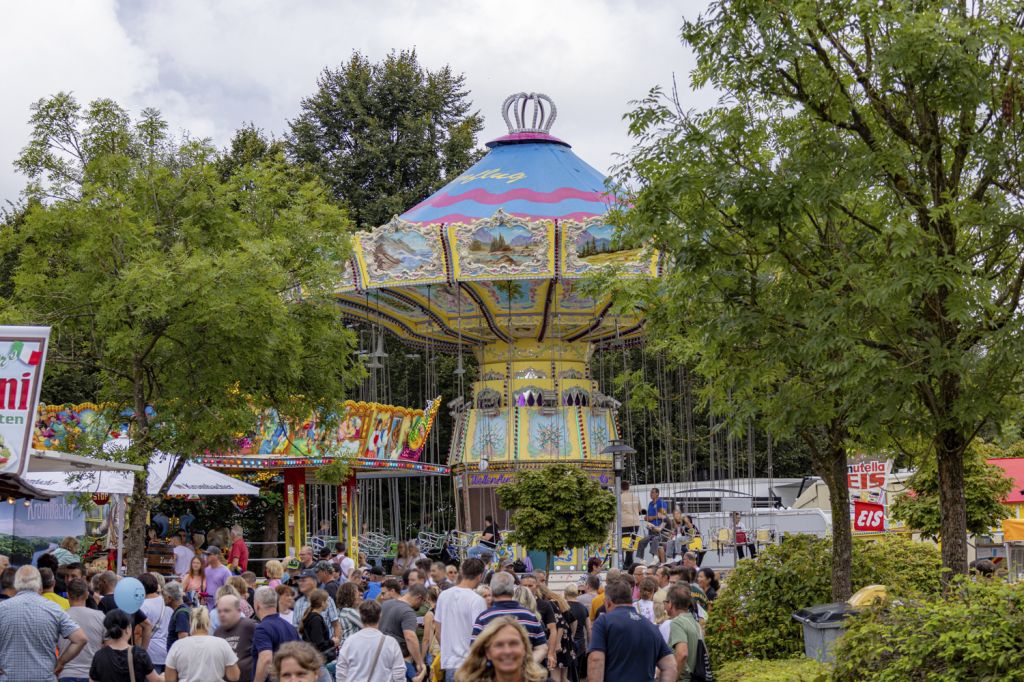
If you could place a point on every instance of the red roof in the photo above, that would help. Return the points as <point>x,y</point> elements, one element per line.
<point>1014,468</point>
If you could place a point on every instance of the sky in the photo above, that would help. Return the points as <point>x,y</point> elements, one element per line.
<point>212,66</point>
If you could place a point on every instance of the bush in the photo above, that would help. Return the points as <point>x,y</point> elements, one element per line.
<point>975,633</point>
<point>787,670</point>
<point>752,617</point>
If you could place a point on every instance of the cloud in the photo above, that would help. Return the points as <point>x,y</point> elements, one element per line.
<point>211,67</point>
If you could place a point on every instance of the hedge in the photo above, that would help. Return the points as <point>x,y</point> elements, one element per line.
<point>786,670</point>
<point>752,616</point>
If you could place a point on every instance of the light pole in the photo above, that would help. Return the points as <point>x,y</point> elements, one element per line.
<point>619,451</point>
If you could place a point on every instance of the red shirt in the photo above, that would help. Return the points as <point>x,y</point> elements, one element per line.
<point>239,555</point>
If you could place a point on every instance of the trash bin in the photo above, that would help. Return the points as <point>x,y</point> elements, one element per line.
<point>823,625</point>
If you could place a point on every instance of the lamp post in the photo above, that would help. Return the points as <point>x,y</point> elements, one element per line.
<point>619,451</point>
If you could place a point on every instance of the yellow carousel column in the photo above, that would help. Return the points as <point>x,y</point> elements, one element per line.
<point>294,509</point>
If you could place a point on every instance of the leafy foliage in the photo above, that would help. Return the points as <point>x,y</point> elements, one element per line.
<point>851,210</point>
<point>202,298</point>
<point>985,487</point>
<point>787,670</point>
<point>974,632</point>
<point>383,136</point>
<point>557,507</point>
<point>752,616</point>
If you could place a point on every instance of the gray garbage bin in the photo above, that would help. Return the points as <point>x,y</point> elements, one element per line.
<point>823,625</point>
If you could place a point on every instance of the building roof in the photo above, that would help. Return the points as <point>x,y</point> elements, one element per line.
<point>1014,469</point>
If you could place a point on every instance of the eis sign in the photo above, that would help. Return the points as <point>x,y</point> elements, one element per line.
<point>22,359</point>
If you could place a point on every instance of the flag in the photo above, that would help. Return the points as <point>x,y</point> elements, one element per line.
<point>27,355</point>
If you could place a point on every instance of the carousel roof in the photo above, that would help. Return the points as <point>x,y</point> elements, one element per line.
<point>496,254</point>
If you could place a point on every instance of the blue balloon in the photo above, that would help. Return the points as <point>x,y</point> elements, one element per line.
<point>129,595</point>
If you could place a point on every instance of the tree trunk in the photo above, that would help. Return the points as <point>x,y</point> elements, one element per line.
<point>842,536</point>
<point>135,537</point>
<point>949,449</point>
<point>271,532</point>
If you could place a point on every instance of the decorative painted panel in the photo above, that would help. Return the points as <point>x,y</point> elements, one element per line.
<point>502,247</point>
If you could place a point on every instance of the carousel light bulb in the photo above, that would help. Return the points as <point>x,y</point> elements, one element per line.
<point>10,500</point>
<point>28,503</point>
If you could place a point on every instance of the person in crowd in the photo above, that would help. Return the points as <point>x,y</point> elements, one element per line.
<point>430,645</point>
<point>662,580</point>
<point>451,574</point>
<point>297,662</point>
<point>285,603</point>
<point>49,580</point>
<point>625,646</point>
<point>67,552</point>
<point>485,592</point>
<point>271,632</point>
<point>488,542</point>
<point>306,560</point>
<point>91,623</point>
<point>200,657</point>
<point>238,555</point>
<point>180,621</point>
<point>546,611</point>
<point>369,655</point>
<point>403,559</point>
<point>273,571</point>
<point>632,516</point>
<point>398,620</point>
<point>501,652</point>
<point>645,604</point>
<point>292,568</point>
<point>7,583</point>
<point>708,582</point>
<point>159,615</point>
<point>217,574</point>
<point>391,588</point>
<point>194,581</point>
<point>743,540</point>
<point>307,583</point>
<point>662,620</point>
<point>503,587</point>
<point>242,587</point>
<point>564,657</point>
<point>684,632</point>
<point>689,577</point>
<point>344,562</point>
<point>237,630</point>
<point>110,663</point>
<point>182,555</point>
<point>313,629</point>
<point>250,584</point>
<point>456,611</point>
<point>347,601</point>
<point>591,588</point>
<point>580,629</point>
<point>374,579</point>
<point>5,562</point>
<point>597,603</point>
<point>326,579</point>
<point>438,577</point>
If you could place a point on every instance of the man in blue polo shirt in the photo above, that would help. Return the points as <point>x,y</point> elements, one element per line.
<point>625,646</point>
<point>657,513</point>
<point>270,634</point>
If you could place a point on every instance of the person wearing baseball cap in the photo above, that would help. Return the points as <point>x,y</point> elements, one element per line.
<point>217,575</point>
<point>307,583</point>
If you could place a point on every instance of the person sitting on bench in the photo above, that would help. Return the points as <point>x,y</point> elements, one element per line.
<point>489,540</point>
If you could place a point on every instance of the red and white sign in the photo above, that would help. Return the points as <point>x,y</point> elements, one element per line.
<point>868,517</point>
<point>865,477</point>
<point>22,359</point>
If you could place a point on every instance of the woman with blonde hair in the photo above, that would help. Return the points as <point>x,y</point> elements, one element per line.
<point>273,571</point>
<point>201,656</point>
<point>526,598</point>
<point>403,559</point>
<point>242,587</point>
<point>501,653</point>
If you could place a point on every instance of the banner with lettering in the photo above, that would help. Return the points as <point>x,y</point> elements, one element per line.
<point>22,360</point>
<point>866,476</point>
<point>868,517</point>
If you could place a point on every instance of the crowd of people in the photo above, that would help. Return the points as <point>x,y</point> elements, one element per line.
<point>325,616</point>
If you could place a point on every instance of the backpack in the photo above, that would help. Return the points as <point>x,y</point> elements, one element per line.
<point>701,664</point>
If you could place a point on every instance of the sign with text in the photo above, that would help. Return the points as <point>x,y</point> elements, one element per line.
<point>866,476</point>
<point>868,517</point>
<point>22,360</point>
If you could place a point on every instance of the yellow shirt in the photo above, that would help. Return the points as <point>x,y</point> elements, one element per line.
<point>595,605</point>
<point>58,600</point>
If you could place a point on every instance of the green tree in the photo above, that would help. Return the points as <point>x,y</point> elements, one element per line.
<point>985,488</point>
<point>198,301</point>
<point>557,507</point>
<point>384,136</point>
<point>878,150</point>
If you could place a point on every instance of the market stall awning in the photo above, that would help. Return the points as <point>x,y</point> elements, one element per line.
<point>12,485</point>
<point>50,460</point>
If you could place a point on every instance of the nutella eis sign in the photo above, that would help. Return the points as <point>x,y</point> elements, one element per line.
<point>22,359</point>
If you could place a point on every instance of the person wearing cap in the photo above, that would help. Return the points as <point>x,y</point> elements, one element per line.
<point>217,575</point>
<point>307,583</point>
<point>326,578</point>
<point>375,576</point>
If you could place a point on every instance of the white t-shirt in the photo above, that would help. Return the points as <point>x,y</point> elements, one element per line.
<point>201,658</point>
<point>356,657</point>
<point>159,616</point>
<point>182,559</point>
<point>347,566</point>
<point>456,611</point>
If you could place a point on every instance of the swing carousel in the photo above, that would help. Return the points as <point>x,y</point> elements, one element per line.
<point>491,265</point>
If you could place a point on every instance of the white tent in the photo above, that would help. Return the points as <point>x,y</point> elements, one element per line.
<point>194,479</point>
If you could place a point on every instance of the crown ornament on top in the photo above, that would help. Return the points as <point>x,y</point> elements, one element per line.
<point>520,117</point>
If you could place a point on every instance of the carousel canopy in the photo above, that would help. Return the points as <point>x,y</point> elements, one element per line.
<point>496,254</point>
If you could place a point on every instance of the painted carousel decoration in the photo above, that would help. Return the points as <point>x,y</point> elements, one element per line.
<point>491,264</point>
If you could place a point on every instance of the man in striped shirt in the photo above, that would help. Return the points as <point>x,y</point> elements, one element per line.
<point>502,589</point>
